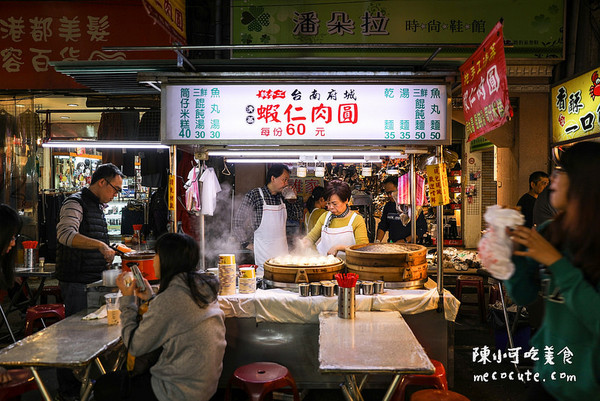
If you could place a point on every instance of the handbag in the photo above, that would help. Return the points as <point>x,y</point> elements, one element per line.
<point>137,365</point>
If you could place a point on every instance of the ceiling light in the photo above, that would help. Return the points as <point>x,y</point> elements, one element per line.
<point>296,153</point>
<point>65,117</point>
<point>20,105</point>
<point>73,105</point>
<point>104,145</point>
<point>288,160</point>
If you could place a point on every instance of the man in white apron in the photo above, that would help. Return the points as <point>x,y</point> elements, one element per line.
<point>259,223</point>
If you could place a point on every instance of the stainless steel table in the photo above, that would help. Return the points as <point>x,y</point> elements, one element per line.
<point>373,342</point>
<point>71,343</point>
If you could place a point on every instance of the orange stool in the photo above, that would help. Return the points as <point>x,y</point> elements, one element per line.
<point>261,378</point>
<point>437,395</point>
<point>437,380</point>
<point>53,290</point>
<point>472,281</point>
<point>36,314</point>
<point>22,382</point>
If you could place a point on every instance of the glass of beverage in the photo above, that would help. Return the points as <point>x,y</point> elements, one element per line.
<point>113,314</point>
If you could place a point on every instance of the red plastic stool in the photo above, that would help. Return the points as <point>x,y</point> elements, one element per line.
<point>53,290</point>
<point>437,395</point>
<point>437,380</point>
<point>261,378</point>
<point>35,314</point>
<point>472,281</point>
<point>22,382</point>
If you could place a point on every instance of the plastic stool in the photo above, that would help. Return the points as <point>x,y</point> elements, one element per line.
<point>437,380</point>
<point>261,378</point>
<point>472,281</point>
<point>53,290</point>
<point>22,382</point>
<point>437,395</point>
<point>35,314</point>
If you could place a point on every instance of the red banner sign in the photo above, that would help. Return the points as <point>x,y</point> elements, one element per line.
<point>484,88</point>
<point>34,33</point>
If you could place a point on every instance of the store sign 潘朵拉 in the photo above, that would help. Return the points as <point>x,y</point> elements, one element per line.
<point>535,27</point>
<point>272,113</point>
<point>484,88</point>
<point>437,178</point>
<point>576,108</point>
<point>35,33</point>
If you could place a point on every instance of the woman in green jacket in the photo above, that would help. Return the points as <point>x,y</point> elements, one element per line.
<point>561,261</point>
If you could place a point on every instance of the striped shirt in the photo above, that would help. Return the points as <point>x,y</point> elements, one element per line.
<point>249,214</point>
<point>71,215</point>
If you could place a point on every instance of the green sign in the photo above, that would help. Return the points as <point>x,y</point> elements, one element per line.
<point>533,26</point>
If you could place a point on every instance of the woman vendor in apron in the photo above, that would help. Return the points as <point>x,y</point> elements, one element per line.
<point>340,227</point>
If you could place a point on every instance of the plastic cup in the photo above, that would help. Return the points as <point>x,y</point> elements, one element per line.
<point>113,314</point>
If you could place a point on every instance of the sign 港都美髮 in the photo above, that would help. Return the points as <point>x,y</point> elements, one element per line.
<point>484,88</point>
<point>274,113</point>
<point>437,178</point>
<point>35,33</point>
<point>576,108</point>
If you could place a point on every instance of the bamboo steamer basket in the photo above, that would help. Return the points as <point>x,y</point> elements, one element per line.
<point>300,274</point>
<point>404,264</point>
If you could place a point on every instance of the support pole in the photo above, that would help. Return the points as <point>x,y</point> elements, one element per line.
<point>440,236</point>
<point>413,200</point>
<point>173,173</point>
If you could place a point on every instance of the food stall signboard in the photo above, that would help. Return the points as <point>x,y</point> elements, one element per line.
<point>305,113</point>
<point>576,108</point>
<point>439,194</point>
<point>484,87</point>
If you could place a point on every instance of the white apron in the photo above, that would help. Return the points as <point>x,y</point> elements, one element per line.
<point>269,238</point>
<point>308,220</point>
<point>336,236</point>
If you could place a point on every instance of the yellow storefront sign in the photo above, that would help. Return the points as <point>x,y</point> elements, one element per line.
<point>437,178</point>
<point>576,108</point>
<point>170,14</point>
<point>172,192</point>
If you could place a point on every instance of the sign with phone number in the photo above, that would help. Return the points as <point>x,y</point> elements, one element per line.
<point>277,113</point>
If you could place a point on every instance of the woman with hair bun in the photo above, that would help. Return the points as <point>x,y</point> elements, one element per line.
<point>316,206</point>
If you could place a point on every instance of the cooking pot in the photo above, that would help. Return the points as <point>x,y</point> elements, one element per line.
<point>144,260</point>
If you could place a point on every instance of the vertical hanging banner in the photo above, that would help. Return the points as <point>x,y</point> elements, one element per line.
<point>439,194</point>
<point>484,88</point>
<point>172,192</point>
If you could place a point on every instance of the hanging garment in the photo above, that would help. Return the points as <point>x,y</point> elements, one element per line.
<point>192,191</point>
<point>210,189</point>
<point>404,190</point>
<point>150,126</point>
<point>269,238</point>
<point>331,237</point>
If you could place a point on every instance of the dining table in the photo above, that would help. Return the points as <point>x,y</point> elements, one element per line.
<point>370,343</point>
<point>71,343</point>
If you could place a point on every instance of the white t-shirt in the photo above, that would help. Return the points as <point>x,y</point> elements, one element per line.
<point>210,189</point>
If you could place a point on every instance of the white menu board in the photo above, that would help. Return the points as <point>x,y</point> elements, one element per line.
<point>274,113</point>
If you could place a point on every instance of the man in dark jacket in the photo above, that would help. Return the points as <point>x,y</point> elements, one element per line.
<point>83,249</point>
<point>537,182</point>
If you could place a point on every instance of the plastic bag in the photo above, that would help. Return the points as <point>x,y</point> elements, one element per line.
<point>495,247</point>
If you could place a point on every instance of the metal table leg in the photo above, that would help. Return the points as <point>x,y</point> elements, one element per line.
<point>508,332</point>
<point>7,324</point>
<point>40,384</point>
<point>391,388</point>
